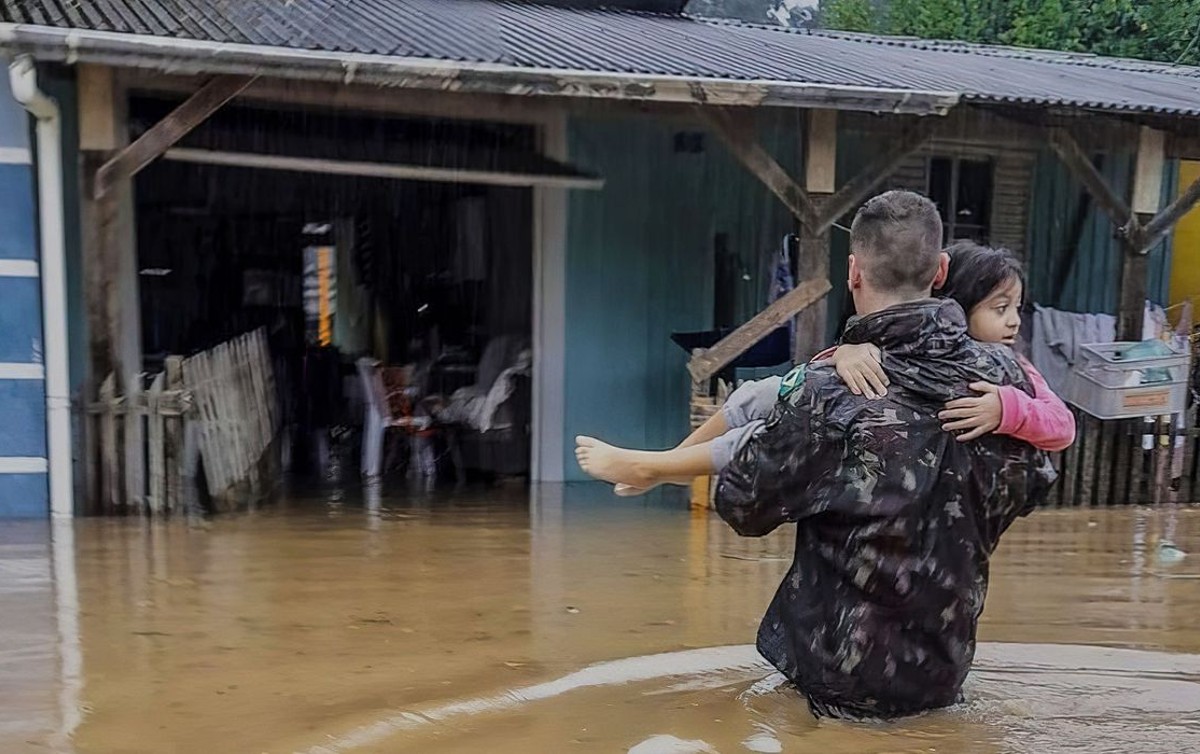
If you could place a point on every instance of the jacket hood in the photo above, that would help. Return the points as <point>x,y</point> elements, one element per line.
<point>926,350</point>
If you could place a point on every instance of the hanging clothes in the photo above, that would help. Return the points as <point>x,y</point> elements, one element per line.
<point>783,281</point>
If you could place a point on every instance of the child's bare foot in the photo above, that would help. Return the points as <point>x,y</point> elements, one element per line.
<point>628,490</point>
<point>609,463</point>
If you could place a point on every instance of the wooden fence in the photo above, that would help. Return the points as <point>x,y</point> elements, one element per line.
<point>1130,462</point>
<point>214,411</point>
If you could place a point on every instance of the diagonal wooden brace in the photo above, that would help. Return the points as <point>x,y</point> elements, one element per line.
<point>736,128</point>
<point>868,179</point>
<point>1164,221</point>
<point>1080,165</point>
<point>163,135</point>
<point>707,363</point>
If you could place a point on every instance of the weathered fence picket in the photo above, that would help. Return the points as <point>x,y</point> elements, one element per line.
<point>226,393</point>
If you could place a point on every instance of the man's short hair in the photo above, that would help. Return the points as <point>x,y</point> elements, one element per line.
<point>898,238</point>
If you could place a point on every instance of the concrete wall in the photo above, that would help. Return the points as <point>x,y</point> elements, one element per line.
<point>24,490</point>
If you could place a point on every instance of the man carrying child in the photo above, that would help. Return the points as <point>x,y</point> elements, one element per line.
<point>896,520</point>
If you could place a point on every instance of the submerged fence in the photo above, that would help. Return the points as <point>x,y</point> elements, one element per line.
<point>215,411</point>
<point>1131,462</point>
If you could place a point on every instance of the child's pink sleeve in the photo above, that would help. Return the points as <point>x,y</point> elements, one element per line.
<point>1043,420</point>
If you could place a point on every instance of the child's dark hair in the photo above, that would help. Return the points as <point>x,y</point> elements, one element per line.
<point>976,271</point>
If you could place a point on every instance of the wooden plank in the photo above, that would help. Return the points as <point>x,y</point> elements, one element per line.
<point>98,124</point>
<point>263,400</point>
<point>820,154</point>
<point>737,131</point>
<point>1122,463</point>
<point>135,446</point>
<point>156,446</point>
<point>1133,286</point>
<point>195,378</point>
<point>1170,217</point>
<point>848,197</point>
<point>1088,459</point>
<point>1068,481</point>
<point>1148,178</point>
<point>173,439</point>
<point>812,264</point>
<point>712,360</point>
<point>168,131</point>
<point>1073,156</point>
<point>110,468</point>
<point>1104,477</point>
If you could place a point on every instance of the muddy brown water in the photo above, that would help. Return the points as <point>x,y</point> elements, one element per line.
<point>552,621</point>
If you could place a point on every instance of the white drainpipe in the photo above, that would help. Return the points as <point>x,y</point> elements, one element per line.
<point>23,75</point>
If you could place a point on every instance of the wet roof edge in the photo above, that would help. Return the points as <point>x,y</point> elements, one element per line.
<point>195,57</point>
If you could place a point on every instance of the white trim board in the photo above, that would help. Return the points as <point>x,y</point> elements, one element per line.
<point>10,370</point>
<point>23,465</point>
<point>18,268</point>
<point>15,156</point>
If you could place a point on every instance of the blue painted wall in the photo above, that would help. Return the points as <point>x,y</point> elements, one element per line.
<point>640,265</point>
<point>23,484</point>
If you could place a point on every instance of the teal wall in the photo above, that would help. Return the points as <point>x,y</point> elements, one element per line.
<point>1092,266</point>
<point>640,265</point>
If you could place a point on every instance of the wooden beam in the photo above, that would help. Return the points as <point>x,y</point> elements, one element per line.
<point>812,263</point>
<point>1072,155</point>
<point>1132,297</point>
<point>707,363</point>
<point>1148,180</point>
<point>97,100</point>
<point>737,130</point>
<point>1164,221</point>
<point>875,173</point>
<point>820,153</point>
<point>168,131</point>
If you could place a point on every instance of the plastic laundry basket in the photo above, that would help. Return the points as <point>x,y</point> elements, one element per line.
<point>1123,381</point>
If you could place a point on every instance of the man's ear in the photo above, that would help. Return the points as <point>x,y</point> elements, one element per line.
<point>854,277</point>
<point>943,270</point>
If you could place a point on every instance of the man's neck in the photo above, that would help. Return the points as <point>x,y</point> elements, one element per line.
<point>869,302</point>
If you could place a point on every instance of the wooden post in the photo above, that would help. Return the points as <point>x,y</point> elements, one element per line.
<point>820,157</point>
<point>110,469</point>
<point>173,438</point>
<point>135,446</point>
<point>156,446</point>
<point>1146,199</point>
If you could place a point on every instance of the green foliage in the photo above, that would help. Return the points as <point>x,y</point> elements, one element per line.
<point>849,15</point>
<point>1164,30</point>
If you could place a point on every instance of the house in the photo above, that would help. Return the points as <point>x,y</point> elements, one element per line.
<point>626,155</point>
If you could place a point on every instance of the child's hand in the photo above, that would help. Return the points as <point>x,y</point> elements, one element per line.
<point>976,415</point>
<point>860,368</point>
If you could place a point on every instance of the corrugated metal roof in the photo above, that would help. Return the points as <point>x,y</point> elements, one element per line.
<point>526,35</point>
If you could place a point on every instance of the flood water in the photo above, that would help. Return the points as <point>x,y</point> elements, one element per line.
<point>553,621</point>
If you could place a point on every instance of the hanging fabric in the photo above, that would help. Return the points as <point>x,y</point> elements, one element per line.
<point>783,281</point>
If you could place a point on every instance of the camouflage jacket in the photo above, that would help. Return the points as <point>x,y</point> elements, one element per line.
<point>896,519</point>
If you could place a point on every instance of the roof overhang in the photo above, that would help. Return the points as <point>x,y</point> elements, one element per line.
<point>196,57</point>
